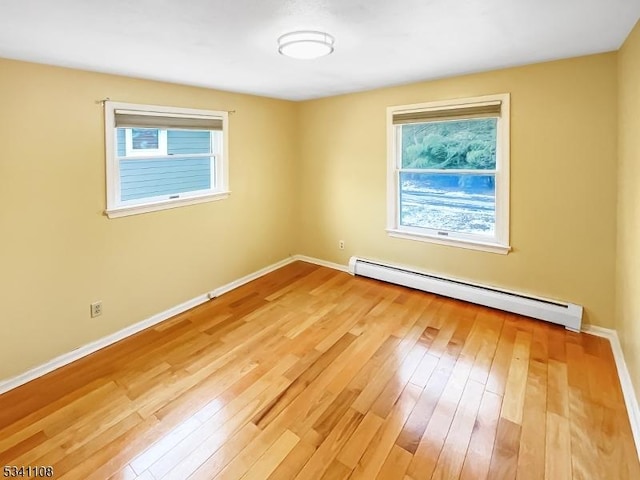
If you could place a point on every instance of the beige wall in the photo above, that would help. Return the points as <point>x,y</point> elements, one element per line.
<point>628,265</point>
<point>563,182</point>
<point>59,253</point>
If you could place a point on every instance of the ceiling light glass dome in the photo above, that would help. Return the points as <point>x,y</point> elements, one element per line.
<point>305,44</point>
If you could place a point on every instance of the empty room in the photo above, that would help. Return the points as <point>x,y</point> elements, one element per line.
<point>320,239</point>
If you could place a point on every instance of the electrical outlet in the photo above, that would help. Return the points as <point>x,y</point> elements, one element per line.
<point>96,309</point>
<point>341,244</point>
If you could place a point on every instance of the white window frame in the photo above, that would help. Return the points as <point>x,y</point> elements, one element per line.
<point>219,174</point>
<point>500,242</point>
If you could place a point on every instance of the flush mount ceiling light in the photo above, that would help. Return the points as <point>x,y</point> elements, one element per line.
<point>305,44</point>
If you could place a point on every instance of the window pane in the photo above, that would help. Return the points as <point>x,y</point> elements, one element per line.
<point>152,178</point>
<point>120,142</point>
<point>464,144</point>
<point>145,138</point>
<point>183,142</point>
<point>451,203</point>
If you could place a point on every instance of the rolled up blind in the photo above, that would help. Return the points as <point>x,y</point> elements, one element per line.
<point>473,110</point>
<point>141,119</point>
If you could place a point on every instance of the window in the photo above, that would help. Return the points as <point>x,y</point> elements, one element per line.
<point>448,174</point>
<point>163,157</point>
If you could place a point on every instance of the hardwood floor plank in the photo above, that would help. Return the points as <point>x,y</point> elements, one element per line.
<point>357,443</point>
<point>234,399</point>
<point>416,424</point>
<point>300,326</point>
<point>71,409</point>
<point>249,454</point>
<point>212,434</point>
<point>65,461</point>
<point>347,319</point>
<point>490,323</point>
<point>382,443</point>
<point>426,367</point>
<point>453,453</point>
<point>331,446</point>
<point>22,447</point>
<point>115,454</point>
<point>214,463</point>
<point>274,455</point>
<point>584,447</point>
<point>514,395</point>
<point>392,376</point>
<point>496,381</point>
<point>372,368</point>
<point>161,447</point>
<point>504,460</point>
<point>146,475</point>
<point>367,349</point>
<point>334,413</point>
<point>557,345</point>
<point>557,447</point>
<point>447,329</point>
<point>126,473</point>
<point>328,383</point>
<point>294,461</point>
<point>558,389</point>
<point>531,456</point>
<point>426,455</point>
<point>395,465</point>
<point>336,471</point>
<point>577,368</point>
<point>479,453</point>
<point>265,416</point>
<point>389,396</point>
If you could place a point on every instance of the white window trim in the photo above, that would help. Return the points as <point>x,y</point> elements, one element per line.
<point>116,208</point>
<point>394,229</point>
<point>165,204</point>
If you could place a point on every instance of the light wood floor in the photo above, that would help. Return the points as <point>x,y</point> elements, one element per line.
<point>310,373</point>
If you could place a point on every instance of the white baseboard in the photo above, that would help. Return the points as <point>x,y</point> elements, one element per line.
<point>322,263</point>
<point>628,391</point>
<point>67,358</point>
<point>248,278</point>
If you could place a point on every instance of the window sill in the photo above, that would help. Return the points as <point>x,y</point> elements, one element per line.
<point>469,244</point>
<point>164,205</point>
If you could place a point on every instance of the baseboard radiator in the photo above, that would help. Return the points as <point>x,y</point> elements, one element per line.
<point>566,314</point>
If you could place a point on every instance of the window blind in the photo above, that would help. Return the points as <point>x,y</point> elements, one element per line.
<point>141,119</point>
<point>473,110</point>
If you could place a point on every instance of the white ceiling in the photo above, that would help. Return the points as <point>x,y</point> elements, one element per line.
<point>231,45</point>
